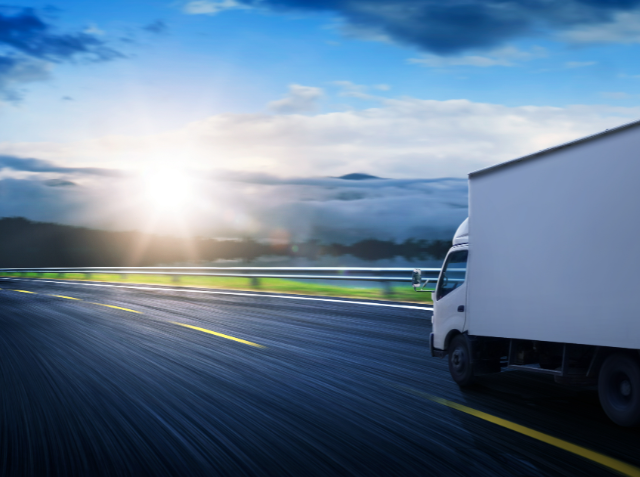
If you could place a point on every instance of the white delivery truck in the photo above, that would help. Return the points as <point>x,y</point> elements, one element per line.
<point>544,275</point>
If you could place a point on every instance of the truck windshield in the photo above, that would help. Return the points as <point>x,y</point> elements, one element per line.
<point>453,273</point>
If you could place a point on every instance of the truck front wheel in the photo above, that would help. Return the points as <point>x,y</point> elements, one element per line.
<point>460,363</point>
<point>619,389</point>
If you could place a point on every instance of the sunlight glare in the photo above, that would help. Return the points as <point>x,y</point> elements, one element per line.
<point>168,189</point>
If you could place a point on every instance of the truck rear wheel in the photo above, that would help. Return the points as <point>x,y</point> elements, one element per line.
<point>460,363</point>
<point>619,389</point>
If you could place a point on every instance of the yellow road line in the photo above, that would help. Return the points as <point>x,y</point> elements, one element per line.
<point>67,297</point>
<point>220,335</point>
<point>78,299</point>
<point>610,462</point>
<point>118,308</point>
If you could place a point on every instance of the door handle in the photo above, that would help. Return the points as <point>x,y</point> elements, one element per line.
<point>461,308</point>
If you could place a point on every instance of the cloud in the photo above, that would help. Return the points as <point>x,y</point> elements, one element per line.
<point>38,201</point>
<point>16,71</point>
<point>301,99</point>
<point>325,209</point>
<point>579,64</point>
<point>29,45</point>
<point>212,7</point>
<point>23,31</point>
<point>157,27</point>
<point>616,95</point>
<point>59,183</point>
<point>448,28</point>
<point>621,27</point>
<point>23,164</point>
<point>251,174</point>
<point>93,30</point>
<point>403,137</point>
<point>506,56</point>
<point>360,91</point>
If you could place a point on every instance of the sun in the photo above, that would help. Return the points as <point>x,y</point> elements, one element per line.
<point>167,189</point>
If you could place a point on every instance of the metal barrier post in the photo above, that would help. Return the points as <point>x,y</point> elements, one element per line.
<point>387,290</point>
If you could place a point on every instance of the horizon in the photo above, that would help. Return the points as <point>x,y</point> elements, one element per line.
<point>238,117</point>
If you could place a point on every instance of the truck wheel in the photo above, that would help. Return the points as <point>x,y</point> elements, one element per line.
<point>460,365</point>
<point>619,389</point>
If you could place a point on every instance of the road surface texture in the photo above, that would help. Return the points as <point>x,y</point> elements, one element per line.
<point>108,380</point>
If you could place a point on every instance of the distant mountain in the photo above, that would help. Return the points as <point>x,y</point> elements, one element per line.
<point>357,176</point>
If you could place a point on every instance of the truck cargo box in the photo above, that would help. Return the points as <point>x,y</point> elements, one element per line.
<point>553,244</point>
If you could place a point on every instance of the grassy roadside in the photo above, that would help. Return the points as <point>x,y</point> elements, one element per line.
<point>398,292</point>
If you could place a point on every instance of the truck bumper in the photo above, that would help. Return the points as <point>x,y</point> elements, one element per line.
<point>435,353</point>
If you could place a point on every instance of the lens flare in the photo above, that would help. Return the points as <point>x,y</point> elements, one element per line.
<point>168,190</point>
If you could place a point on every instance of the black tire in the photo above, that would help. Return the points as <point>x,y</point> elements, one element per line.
<point>619,389</point>
<point>460,364</point>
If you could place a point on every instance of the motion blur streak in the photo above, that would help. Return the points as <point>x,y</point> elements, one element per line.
<point>220,334</point>
<point>622,467</point>
<point>117,308</point>
<point>218,292</point>
<point>91,391</point>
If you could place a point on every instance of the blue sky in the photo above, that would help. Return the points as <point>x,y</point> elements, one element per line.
<point>285,89</point>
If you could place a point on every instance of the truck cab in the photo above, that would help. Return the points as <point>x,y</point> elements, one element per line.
<point>450,295</point>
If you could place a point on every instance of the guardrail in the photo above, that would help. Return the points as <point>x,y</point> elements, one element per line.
<point>385,276</point>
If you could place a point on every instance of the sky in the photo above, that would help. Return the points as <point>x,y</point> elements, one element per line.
<point>238,118</point>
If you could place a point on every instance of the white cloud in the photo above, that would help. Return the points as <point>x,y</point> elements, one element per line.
<point>260,153</point>
<point>624,28</point>
<point>404,137</point>
<point>211,7</point>
<point>617,95</point>
<point>435,61</point>
<point>579,64</point>
<point>301,99</point>
<point>507,56</point>
<point>353,90</point>
<point>92,29</point>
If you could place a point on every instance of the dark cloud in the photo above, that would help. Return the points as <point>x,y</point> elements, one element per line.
<point>18,71</point>
<point>38,165</point>
<point>59,183</point>
<point>358,176</point>
<point>158,27</point>
<point>449,27</point>
<point>23,31</point>
<point>28,43</point>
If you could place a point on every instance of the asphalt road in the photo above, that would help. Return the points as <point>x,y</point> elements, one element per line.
<point>285,387</point>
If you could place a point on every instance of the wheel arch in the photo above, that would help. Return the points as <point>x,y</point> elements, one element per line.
<point>452,334</point>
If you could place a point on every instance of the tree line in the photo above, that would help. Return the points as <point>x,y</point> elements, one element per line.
<point>25,243</point>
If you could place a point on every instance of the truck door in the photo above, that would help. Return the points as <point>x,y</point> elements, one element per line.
<point>450,295</point>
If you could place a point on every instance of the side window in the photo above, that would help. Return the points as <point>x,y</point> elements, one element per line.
<point>453,273</point>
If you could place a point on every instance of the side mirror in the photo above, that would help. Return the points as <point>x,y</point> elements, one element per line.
<point>433,296</point>
<point>416,278</point>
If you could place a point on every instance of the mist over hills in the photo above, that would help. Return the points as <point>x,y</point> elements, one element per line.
<point>227,203</point>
